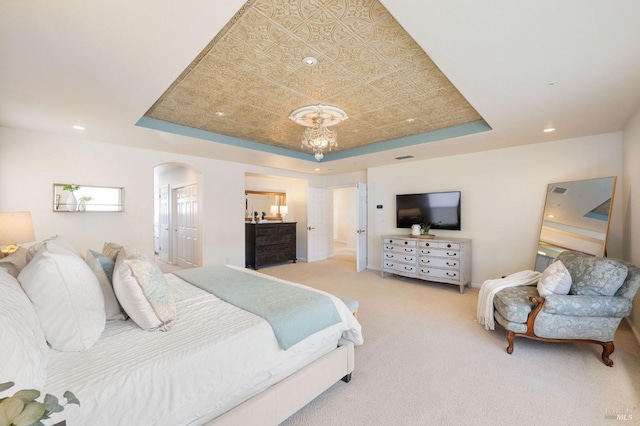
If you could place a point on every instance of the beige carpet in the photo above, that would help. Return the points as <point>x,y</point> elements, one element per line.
<point>425,361</point>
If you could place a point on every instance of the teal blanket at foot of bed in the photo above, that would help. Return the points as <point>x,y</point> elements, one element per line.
<point>294,313</point>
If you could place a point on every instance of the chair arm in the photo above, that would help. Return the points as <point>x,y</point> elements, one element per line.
<point>587,306</point>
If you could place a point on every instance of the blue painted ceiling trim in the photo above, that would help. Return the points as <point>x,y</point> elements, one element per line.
<point>436,135</point>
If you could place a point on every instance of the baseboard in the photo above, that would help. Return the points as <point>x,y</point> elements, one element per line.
<point>634,330</point>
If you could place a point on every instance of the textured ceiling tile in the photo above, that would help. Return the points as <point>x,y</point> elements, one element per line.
<point>367,65</point>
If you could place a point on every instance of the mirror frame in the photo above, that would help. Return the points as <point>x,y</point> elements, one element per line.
<point>283,202</point>
<point>552,249</point>
<point>62,207</point>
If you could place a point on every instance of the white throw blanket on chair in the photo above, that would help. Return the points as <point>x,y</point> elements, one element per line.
<point>491,287</point>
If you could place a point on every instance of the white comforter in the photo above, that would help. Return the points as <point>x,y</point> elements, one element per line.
<point>214,356</point>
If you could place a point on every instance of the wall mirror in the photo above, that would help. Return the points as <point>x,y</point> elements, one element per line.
<point>576,216</point>
<point>271,203</point>
<point>68,197</point>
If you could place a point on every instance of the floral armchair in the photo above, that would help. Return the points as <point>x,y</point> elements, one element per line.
<point>578,298</point>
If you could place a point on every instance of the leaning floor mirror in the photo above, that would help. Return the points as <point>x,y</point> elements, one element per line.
<point>576,217</point>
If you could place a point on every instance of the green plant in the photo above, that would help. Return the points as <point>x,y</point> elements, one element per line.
<point>70,187</point>
<point>86,198</point>
<point>425,228</point>
<point>22,409</point>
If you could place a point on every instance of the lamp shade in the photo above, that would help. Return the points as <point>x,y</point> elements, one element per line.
<point>16,227</point>
<point>283,209</point>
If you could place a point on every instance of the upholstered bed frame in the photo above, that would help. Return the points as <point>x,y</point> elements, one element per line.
<point>280,401</point>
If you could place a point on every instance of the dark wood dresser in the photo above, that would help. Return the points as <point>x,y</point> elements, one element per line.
<point>267,243</point>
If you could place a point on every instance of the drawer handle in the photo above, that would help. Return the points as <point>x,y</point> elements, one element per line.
<point>452,264</point>
<point>427,271</point>
<point>452,254</point>
<point>406,242</point>
<point>452,274</point>
<point>448,245</point>
<point>408,258</point>
<point>408,268</point>
<point>391,241</point>
<point>388,256</point>
<point>408,250</point>
<point>427,245</point>
<point>426,261</point>
<point>388,264</point>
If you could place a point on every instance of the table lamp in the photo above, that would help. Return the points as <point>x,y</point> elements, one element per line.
<point>283,213</point>
<point>15,228</point>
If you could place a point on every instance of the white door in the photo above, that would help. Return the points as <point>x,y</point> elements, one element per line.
<point>164,236</point>
<point>361,245</point>
<point>187,226</point>
<point>317,224</point>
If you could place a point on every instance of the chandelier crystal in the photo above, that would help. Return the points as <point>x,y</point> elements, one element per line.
<point>317,118</point>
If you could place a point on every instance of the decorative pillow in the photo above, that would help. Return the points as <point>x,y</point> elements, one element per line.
<point>111,250</point>
<point>143,291</point>
<point>67,298</point>
<point>594,276</point>
<point>23,348</point>
<point>14,263</point>
<point>102,266</point>
<point>556,279</point>
<point>55,244</point>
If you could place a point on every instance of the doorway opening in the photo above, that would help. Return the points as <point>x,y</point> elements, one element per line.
<point>177,218</point>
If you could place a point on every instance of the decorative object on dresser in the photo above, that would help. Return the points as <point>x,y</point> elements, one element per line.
<point>267,243</point>
<point>445,260</point>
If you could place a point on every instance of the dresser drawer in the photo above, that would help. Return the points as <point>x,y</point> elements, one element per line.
<point>400,242</point>
<point>269,240</point>
<point>399,257</point>
<point>439,245</point>
<point>452,276</point>
<point>438,262</point>
<point>399,267</point>
<point>399,249</point>
<point>448,254</point>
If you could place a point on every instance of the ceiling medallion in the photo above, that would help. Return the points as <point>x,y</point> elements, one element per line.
<point>317,119</point>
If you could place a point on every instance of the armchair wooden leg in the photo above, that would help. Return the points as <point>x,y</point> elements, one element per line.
<point>607,349</point>
<point>510,337</point>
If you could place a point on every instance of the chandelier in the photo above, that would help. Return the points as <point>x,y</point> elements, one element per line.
<point>317,118</point>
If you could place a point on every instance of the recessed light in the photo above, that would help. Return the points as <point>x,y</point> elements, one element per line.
<point>550,215</point>
<point>220,113</point>
<point>309,61</point>
<point>549,129</point>
<point>78,127</point>
<point>410,120</point>
<point>317,169</point>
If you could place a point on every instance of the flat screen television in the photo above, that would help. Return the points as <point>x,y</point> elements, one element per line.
<point>439,209</point>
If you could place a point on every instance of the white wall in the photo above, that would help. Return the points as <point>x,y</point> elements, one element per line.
<point>631,200</point>
<point>503,194</point>
<point>30,162</point>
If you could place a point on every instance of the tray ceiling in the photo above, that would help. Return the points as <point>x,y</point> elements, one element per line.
<point>251,76</point>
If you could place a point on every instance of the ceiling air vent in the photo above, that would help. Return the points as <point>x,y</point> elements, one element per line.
<point>558,190</point>
<point>404,157</point>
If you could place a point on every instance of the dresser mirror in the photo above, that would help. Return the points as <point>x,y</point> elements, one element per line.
<point>576,217</point>
<point>271,203</point>
<point>69,197</point>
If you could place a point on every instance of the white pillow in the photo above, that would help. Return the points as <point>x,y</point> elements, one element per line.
<point>23,348</point>
<point>143,291</point>
<point>556,279</point>
<point>55,244</point>
<point>67,298</point>
<point>102,266</point>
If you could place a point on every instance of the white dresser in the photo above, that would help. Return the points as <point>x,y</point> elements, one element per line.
<point>445,260</point>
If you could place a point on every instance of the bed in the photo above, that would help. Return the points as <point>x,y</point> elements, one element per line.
<point>213,363</point>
